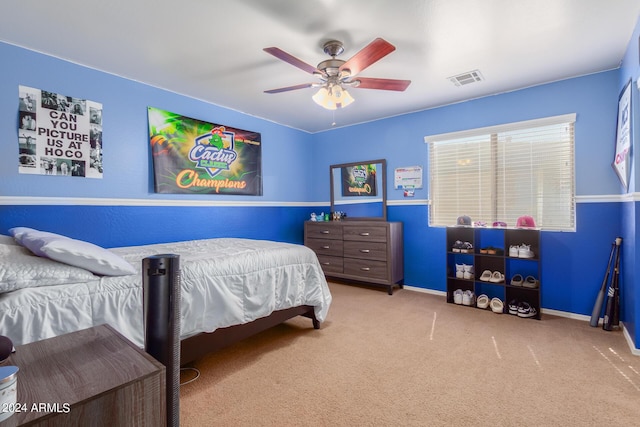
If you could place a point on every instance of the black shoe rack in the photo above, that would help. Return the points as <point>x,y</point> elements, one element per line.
<point>490,252</point>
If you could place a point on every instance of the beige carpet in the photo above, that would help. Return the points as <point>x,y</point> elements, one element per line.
<point>411,359</point>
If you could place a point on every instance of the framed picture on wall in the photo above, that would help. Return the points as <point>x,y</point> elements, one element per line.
<point>622,158</point>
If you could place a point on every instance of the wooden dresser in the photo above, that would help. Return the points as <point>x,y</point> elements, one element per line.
<point>368,252</point>
<point>92,377</point>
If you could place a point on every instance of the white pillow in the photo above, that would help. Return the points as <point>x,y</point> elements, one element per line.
<point>18,232</point>
<point>74,252</point>
<point>19,268</point>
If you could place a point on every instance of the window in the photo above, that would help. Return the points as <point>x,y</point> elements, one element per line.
<point>503,172</point>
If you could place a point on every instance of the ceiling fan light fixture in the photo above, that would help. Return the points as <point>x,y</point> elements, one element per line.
<point>332,98</point>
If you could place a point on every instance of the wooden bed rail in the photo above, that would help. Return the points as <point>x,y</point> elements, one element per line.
<point>195,347</point>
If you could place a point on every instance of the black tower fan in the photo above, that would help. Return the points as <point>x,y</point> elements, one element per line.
<point>161,298</point>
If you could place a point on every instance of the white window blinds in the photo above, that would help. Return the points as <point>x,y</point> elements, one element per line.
<point>503,172</point>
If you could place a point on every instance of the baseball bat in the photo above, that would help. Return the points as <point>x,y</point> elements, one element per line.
<point>607,323</point>
<point>616,302</point>
<point>597,307</point>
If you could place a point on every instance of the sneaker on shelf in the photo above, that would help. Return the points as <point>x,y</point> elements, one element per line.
<point>499,224</point>
<point>524,251</point>
<point>468,298</point>
<point>457,296</point>
<point>513,251</point>
<point>459,271</point>
<point>496,277</point>
<point>486,276</point>
<point>517,280</point>
<point>513,306</point>
<point>526,310</point>
<point>497,306</point>
<point>466,247</point>
<point>483,301</point>
<point>456,246</point>
<point>494,251</point>
<point>479,224</point>
<point>530,282</point>
<point>467,272</point>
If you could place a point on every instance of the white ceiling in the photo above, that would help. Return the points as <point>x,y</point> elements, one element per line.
<point>212,49</point>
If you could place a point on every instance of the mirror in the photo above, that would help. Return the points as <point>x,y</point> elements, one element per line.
<point>359,189</point>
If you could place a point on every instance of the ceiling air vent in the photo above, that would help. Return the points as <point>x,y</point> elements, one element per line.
<point>466,78</point>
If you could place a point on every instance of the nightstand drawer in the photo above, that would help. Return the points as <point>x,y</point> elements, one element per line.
<point>326,246</point>
<point>365,233</point>
<point>365,250</point>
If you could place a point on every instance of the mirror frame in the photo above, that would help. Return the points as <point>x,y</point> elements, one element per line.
<point>383,162</point>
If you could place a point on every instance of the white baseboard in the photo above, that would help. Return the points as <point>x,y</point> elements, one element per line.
<point>425,290</point>
<point>635,351</point>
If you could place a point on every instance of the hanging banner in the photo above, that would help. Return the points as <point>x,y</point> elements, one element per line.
<point>191,156</point>
<point>59,134</point>
<point>622,159</point>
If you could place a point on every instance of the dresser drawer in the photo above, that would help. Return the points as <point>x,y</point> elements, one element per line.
<point>365,268</point>
<point>365,233</point>
<point>326,246</point>
<point>323,230</point>
<point>365,250</point>
<point>331,264</point>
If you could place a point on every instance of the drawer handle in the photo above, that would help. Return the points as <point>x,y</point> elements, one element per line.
<point>365,269</point>
<point>364,234</point>
<point>365,251</point>
<point>326,247</point>
<point>326,263</point>
<point>324,232</point>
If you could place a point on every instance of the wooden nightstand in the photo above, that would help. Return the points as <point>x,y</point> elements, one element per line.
<point>92,377</point>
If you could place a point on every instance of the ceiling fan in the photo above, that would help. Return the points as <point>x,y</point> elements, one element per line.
<point>335,75</point>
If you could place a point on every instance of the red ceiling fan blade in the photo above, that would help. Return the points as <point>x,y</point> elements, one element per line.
<point>383,84</point>
<point>284,56</point>
<point>288,88</point>
<point>374,51</point>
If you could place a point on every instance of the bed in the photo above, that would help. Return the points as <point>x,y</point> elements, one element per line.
<point>230,288</point>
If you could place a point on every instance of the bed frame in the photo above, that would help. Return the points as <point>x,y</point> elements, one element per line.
<point>195,347</point>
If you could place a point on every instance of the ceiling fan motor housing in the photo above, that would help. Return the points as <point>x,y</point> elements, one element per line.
<point>331,66</point>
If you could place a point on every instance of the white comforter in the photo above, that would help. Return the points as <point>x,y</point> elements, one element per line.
<point>224,282</point>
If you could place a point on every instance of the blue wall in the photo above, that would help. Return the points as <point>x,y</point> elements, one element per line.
<point>112,226</point>
<point>630,285</point>
<point>401,139</point>
<point>126,154</point>
<point>121,209</point>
